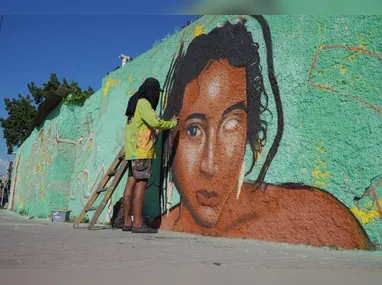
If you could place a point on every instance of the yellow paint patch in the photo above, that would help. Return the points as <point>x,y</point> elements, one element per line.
<point>130,92</point>
<point>320,162</point>
<point>365,217</point>
<point>21,205</point>
<point>91,145</point>
<point>131,79</point>
<point>363,42</point>
<point>320,183</point>
<point>42,198</point>
<point>342,68</point>
<point>109,83</point>
<point>106,89</point>
<point>320,149</point>
<point>320,174</point>
<point>199,30</point>
<point>352,57</point>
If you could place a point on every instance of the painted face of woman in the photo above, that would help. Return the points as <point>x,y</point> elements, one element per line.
<point>212,139</point>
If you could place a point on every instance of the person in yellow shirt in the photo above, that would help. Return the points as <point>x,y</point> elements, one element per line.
<point>140,131</point>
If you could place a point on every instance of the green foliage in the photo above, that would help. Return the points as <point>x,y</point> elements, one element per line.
<point>21,112</point>
<point>78,96</point>
<point>40,93</point>
<point>23,109</point>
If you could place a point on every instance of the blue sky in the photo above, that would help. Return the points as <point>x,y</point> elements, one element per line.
<point>80,48</point>
<point>97,7</point>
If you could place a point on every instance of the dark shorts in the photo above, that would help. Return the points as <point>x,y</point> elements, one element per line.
<point>140,168</point>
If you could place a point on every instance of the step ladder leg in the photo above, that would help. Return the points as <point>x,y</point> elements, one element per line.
<point>113,169</point>
<point>81,216</point>
<point>108,194</point>
<point>91,201</point>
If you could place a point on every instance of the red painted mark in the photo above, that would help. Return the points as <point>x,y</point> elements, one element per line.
<point>376,109</point>
<point>357,49</point>
<point>314,63</point>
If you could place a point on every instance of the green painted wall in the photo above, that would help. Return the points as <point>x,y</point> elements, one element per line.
<point>333,119</point>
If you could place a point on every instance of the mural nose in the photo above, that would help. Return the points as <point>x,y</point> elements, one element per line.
<point>208,165</point>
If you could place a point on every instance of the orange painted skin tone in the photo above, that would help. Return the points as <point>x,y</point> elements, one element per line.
<point>207,166</point>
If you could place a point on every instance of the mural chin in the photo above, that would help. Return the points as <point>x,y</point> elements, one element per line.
<point>204,206</point>
<point>206,211</point>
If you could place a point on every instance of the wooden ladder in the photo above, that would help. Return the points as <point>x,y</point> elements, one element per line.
<point>116,171</point>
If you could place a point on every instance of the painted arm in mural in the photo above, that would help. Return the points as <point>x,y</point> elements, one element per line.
<point>151,118</point>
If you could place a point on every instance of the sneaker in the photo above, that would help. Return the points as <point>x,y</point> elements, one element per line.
<point>126,228</point>
<point>144,229</point>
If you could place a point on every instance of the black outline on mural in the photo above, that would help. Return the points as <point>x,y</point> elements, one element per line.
<point>276,93</point>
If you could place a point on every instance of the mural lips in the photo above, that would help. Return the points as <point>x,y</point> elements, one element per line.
<point>207,198</point>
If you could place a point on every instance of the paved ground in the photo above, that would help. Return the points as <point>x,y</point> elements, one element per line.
<point>42,252</point>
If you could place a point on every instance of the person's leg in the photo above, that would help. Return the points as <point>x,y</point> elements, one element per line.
<point>127,200</point>
<point>142,173</point>
<point>138,199</point>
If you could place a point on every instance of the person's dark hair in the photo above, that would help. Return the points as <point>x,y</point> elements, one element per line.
<point>147,91</point>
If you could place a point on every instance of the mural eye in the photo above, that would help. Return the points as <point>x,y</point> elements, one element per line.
<point>231,124</point>
<point>193,131</point>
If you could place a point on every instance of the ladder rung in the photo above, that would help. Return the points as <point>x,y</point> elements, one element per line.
<point>102,190</point>
<point>113,172</point>
<point>91,209</point>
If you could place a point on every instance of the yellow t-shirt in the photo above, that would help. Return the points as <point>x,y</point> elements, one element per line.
<point>140,132</point>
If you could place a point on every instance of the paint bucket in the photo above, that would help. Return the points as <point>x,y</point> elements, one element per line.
<point>60,216</point>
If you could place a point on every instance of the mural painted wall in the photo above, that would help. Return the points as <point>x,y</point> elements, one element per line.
<point>279,134</point>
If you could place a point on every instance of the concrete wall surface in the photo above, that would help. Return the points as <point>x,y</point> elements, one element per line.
<point>279,136</point>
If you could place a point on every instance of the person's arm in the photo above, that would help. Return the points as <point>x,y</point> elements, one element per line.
<point>151,118</point>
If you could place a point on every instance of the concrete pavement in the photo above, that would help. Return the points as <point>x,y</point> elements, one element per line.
<point>42,252</point>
